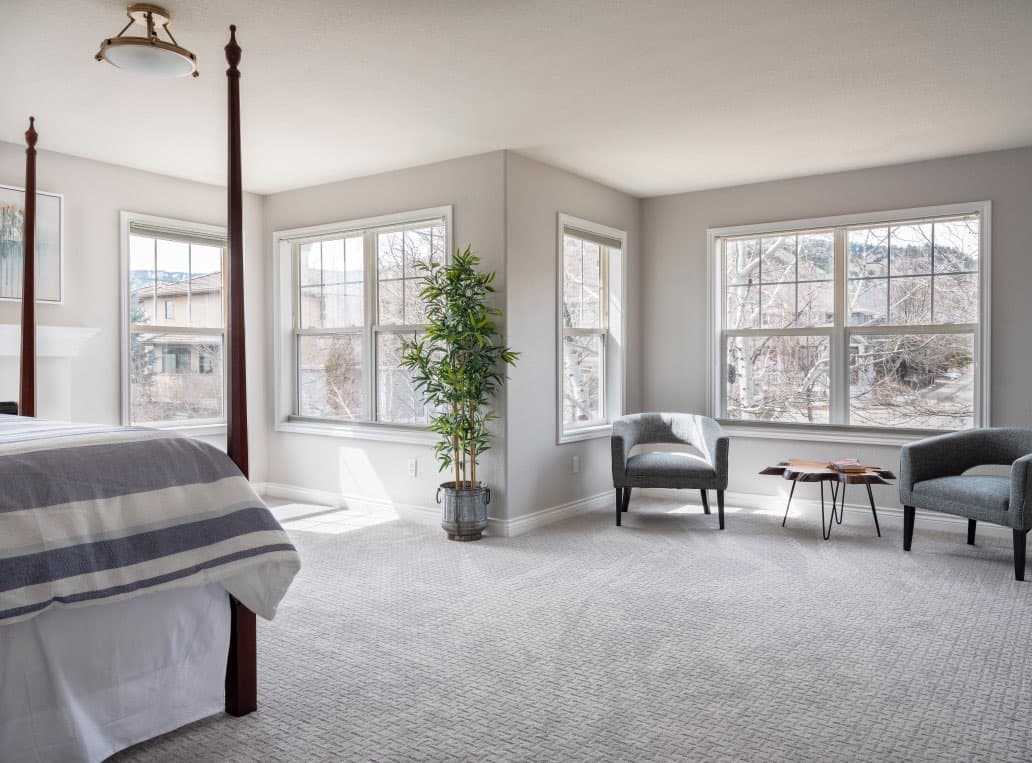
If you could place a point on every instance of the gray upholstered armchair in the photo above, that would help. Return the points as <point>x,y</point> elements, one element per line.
<point>705,471</point>
<point>932,477</point>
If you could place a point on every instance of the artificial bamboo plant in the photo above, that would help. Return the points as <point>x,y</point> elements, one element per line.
<point>458,364</point>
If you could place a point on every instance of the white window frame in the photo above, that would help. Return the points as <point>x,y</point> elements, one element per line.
<point>285,309</point>
<point>840,331</point>
<point>613,382</point>
<point>196,427</point>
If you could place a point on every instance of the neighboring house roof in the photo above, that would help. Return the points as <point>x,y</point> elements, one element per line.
<point>203,284</point>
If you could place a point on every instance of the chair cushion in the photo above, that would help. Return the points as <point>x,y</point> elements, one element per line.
<point>984,496</point>
<point>669,465</point>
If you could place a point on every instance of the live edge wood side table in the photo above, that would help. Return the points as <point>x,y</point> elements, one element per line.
<point>799,470</point>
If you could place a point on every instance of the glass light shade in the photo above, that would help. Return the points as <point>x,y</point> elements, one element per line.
<point>147,58</point>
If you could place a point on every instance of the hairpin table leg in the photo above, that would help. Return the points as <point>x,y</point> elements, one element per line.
<point>874,511</point>
<point>789,505</point>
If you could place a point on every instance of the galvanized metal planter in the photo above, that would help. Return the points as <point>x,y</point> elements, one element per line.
<point>464,511</point>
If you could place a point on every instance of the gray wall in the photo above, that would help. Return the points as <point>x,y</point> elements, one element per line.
<point>94,194</point>
<point>475,187</point>
<point>541,474</point>
<point>674,282</point>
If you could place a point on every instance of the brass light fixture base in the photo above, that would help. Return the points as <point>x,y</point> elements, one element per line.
<point>148,55</point>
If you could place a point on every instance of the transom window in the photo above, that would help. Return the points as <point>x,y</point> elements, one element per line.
<point>590,350</point>
<point>356,294</point>
<point>175,319</point>
<point>868,321</point>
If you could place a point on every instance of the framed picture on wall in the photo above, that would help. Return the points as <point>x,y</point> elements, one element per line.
<point>49,209</point>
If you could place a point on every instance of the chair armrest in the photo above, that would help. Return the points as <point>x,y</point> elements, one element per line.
<point>944,455</point>
<point>716,442</point>
<point>1021,490</point>
<point>625,436</point>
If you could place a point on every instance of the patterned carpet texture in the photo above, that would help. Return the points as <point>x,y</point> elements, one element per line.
<point>663,639</point>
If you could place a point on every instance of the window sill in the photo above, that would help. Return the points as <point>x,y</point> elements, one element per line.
<point>191,430</point>
<point>810,433</point>
<point>587,433</point>
<point>377,432</point>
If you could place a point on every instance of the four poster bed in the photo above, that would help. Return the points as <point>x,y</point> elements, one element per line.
<point>118,546</point>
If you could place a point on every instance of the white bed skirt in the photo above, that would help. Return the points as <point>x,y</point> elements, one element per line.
<point>77,685</point>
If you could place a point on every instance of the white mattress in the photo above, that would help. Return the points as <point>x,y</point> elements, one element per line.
<point>77,685</point>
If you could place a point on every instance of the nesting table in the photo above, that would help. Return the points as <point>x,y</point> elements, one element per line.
<point>800,470</point>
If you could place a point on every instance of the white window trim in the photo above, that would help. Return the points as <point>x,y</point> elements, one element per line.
<point>194,428</point>
<point>284,361</point>
<point>614,385</point>
<point>845,433</point>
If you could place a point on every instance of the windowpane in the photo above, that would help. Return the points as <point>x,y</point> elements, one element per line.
<point>582,283</point>
<point>868,252</point>
<point>742,261</point>
<point>397,401</point>
<point>310,298</point>
<point>868,301</point>
<point>910,300</point>
<point>583,369</point>
<point>390,254</point>
<point>342,305</point>
<point>392,302</point>
<point>910,249</point>
<point>817,256</point>
<point>417,251</point>
<point>355,259</point>
<point>141,279</point>
<point>415,307</point>
<point>816,304</point>
<point>333,268</point>
<point>779,259</point>
<point>311,264</point>
<point>330,376</point>
<point>956,298</point>
<point>175,377</point>
<point>778,378</point>
<point>906,275</point>
<point>206,302</point>
<point>743,307</point>
<point>173,281</point>
<point>777,305</point>
<point>916,381</point>
<point>956,245</point>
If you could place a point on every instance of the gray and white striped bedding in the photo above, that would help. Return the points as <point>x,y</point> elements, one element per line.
<point>95,514</point>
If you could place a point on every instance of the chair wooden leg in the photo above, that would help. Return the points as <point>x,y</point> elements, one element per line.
<point>720,508</point>
<point>1019,554</point>
<point>705,502</point>
<point>971,531</point>
<point>619,504</point>
<point>908,526</point>
<point>626,499</point>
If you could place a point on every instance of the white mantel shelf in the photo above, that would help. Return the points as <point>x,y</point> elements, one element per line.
<point>51,341</point>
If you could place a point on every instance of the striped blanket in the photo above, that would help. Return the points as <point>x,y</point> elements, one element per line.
<point>95,514</point>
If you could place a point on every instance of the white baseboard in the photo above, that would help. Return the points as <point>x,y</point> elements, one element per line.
<point>505,528</point>
<point>337,500</point>
<point>764,502</point>
<point>512,527</point>
<point>508,528</point>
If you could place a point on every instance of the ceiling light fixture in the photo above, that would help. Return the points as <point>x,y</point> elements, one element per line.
<point>148,55</point>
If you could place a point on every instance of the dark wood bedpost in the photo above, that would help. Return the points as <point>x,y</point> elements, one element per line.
<point>242,669</point>
<point>27,378</point>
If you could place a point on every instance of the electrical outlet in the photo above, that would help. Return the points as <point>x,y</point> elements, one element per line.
<point>576,464</point>
<point>412,467</point>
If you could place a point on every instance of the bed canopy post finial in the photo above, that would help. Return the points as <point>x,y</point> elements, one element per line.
<point>27,377</point>
<point>242,665</point>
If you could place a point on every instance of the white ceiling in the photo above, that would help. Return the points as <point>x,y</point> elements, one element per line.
<point>650,96</point>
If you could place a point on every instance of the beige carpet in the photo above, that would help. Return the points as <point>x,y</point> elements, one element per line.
<point>660,640</point>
